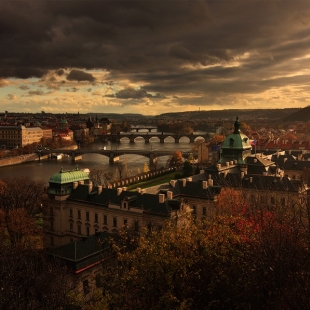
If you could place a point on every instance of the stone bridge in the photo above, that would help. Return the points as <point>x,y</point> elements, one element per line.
<point>148,136</point>
<point>113,155</point>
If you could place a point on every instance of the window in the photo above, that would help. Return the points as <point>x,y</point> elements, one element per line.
<point>85,287</point>
<point>282,201</point>
<point>194,210</point>
<point>136,225</point>
<point>204,211</point>
<point>87,231</point>
<point>79,214</point>
<point>71,213</point>
<point>87,216</point>
<point>272,201</point>
<point>125,222</point>
<point>71,226</point>
<point>96,230</point>
<point>105,220</point>
<point>79,229</point>
<point>114,222</point>
<point>96,218</point>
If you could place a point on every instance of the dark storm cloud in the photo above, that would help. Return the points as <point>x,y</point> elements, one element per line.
<point>169,45</point>
<point>131,93</point>
<point>78,75</point>
<point>24,87</point>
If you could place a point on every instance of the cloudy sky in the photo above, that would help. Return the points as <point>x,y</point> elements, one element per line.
<point>153,56</point>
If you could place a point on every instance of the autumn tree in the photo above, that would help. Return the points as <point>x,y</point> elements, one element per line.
<point>21,202</point>
<point>31,280</point>
<point>242,257</point>
<point>175,160</point>
<point>100,177</point>
<point>146,168</point>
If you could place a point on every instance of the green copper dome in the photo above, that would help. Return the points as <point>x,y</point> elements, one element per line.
<point>237,140</point>
<point>236,146</point>
<point>64,177</point>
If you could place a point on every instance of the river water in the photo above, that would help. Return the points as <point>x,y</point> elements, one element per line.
<point>135,163</point>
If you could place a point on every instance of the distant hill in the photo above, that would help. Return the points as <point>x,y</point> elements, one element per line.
<point>277,114</point>
<point>302,115</point>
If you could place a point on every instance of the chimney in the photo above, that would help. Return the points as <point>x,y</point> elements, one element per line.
<point>119,190</point>
<point>75,185</point>
<point>139,189</point>
<point>204,184</point>
<point>90,186</point>
<point>169,195</point>
<point>201,171</point>
<point>231,162</point>
<point>184,182</point>
<point>242,174</point>
<point>235,161</point>
<point>218,166</point>
<point>161,198</point>
<point>251,179</point>
<point>255,160</point>
<point>99,189</point>
<point>124,188</point>
<point>189,179</point>
<point>210,177</point>
<point>172,182</point>
<point>81,182</point>
<point>210,182</point>
<point>227,163</point>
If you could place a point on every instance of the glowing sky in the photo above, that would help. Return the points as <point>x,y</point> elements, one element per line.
<point>152,56</point>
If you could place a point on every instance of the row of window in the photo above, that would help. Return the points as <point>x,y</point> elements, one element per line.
<point>79,226</point>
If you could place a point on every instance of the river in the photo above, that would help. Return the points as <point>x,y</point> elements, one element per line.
<point>135,163</point>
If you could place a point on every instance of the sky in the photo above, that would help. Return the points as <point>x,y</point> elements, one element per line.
<point>151,57</point>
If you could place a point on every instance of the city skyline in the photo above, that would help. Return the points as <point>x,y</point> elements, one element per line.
<point>151,57</point>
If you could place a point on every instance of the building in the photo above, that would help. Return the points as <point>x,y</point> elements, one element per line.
<point>75,208</point>
<point>19,135</point>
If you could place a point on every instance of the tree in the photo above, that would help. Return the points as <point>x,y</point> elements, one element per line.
<point>146,168</point>
<point>31,280</point>
<point>99,177</point>
<point>121,168</point>
<point>176,160</point>
<point>217,139</point>
<point>21,202</point>
<point>187,169</point>
<point>242,257</point>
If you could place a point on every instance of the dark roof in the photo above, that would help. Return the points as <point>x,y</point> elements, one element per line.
<point>257,182</point>
<point>85,253</point>
<point>147,202</point>
<point>195,190</point>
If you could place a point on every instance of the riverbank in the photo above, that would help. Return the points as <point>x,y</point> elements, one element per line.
<point>15,160</point>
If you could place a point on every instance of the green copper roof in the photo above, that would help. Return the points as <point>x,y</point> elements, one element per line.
<point>237,140</point>
<point>64,177</point>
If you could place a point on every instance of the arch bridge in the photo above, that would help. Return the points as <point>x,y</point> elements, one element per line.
<point>113,155</point>
<point>148,136</point>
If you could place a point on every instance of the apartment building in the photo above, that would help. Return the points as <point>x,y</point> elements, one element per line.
<point>19,136</point>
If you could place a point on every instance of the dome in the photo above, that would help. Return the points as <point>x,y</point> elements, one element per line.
<point>236,146</point>
<point>63,121</point>
<point>237,140</point>
<point>64,177</point>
